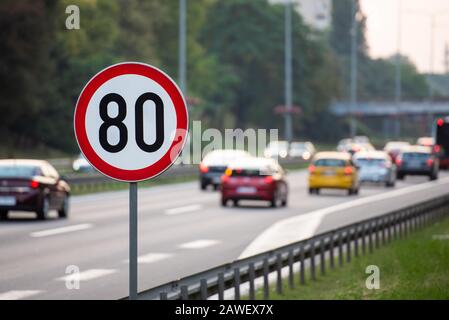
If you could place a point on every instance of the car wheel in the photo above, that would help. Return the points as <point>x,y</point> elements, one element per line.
<point>216,186</point>
<point>311,190</point>
<point>350,191</point>
<point>42,213</point>
<point>235,203</point>
<point>355,191</point>
<point>224,202</point>
<point>317,191</point>
<point>389,184</point>
<point>63,212</point>
<point>3,215</point>
<point>284,202</point>
<point>433,177</point>
<point>400,176</point>
<point>203,186</point>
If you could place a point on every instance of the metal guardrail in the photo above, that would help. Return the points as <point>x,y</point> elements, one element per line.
<point>87,181</point>
<point>337,246</point>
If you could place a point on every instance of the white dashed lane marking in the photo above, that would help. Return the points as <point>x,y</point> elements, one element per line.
<point>199,244</point>
<point>87,275</point>
<point>184,209</point>
<point>62,230</point>
<point>152,257</point>
<point>18,294</point>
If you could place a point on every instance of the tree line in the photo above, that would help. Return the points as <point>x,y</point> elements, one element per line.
<point>235,59</point>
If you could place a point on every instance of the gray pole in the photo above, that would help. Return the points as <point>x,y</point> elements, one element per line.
<point>133,241</point>
<point>432,31</point>
<point>288,71</point>
<point>182,46</point>
<point>398,80</point>
<point>353,84</point>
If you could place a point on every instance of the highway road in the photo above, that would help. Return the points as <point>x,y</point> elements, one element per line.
<point>181,231</point>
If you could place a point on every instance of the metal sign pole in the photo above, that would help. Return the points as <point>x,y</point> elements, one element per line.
<point>133,241</point>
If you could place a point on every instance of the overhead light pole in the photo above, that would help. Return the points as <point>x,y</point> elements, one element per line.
<point>182,47</point>
<point>288,71</point>
<point>353,79</point>
<point>398,77</point>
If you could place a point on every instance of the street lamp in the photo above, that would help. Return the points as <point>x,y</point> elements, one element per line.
<point>288,71</point>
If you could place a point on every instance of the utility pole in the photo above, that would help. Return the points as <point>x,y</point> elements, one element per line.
<point>353,84</point>
<point>398,78</point>
<point>182,47</point>
<point>288,71</point>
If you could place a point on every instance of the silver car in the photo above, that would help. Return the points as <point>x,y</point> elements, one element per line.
<point>376,167</point>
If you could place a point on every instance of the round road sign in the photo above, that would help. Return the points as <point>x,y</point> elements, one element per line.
<point>131,121</point>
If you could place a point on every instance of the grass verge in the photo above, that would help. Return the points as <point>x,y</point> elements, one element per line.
<point>413,268</point>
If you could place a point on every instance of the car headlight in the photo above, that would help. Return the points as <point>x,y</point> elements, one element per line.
<point>76,166</point>
<point>283,154</point>
<point>306,155</point>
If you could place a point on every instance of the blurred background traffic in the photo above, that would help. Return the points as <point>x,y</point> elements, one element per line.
<point>357,89</point>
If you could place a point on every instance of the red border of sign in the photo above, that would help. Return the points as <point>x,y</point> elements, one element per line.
<point>80,121</point>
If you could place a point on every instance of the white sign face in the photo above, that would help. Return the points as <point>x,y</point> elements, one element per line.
<point>131,121</point>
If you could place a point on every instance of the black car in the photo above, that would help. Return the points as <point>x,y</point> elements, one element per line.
<point>214,165</point>
<point>417,160</point>
<point>32,185</point>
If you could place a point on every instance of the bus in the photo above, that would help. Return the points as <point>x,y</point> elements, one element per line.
<point>441,147</point>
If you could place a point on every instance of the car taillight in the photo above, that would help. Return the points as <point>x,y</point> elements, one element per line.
<point>268,179</point>
<point>440,122</point>
<point>312,168</point>
<point>429,162</point>
<point>34,184</point>
<point>224,178</point>
<point>203,168</point>
<point>436,148</point>
<point>348,170</point>
<point>398,161</point>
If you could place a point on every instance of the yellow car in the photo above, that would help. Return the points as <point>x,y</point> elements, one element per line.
<point>333,170</point>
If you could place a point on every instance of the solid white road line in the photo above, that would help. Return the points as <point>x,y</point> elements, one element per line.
<point>199,244</point>
<point>151,257</point>
<point>18,294</point>
<point>184,209</point>
<point>87,275</point>
<point>304,226</point>
<point>52,232</point>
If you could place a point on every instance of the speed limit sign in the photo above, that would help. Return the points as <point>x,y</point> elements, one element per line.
<point>131,124</point>
<point>131,121</point>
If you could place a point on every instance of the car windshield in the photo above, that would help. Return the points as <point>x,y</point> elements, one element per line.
<point>396,145</point>
<point>298,146</point>
<point>330,163</point>
<point>366,162</point>
<point>415,156</point>
<point>18,171</point>
<point>278,145</point>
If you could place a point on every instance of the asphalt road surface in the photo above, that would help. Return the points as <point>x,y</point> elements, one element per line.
<point>181,231</point>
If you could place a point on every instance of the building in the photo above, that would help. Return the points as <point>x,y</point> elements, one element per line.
<point>316,13</point>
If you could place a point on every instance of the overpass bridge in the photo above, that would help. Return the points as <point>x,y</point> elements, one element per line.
<point>406,119</point>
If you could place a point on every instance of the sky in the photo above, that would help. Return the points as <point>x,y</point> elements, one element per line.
<point>383,17</point>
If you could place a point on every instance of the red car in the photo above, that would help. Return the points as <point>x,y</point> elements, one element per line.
<point>32,185</point>
<point>254,179</point>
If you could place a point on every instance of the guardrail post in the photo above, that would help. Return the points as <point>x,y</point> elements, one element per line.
<point>220,286</point>
<point>356,240</point>
<point>322,260</point>
<point>340,248</point>
<point>370,236</point>
<point>163,296</point>
<point>203,289</point>
<point>331,251</point>
<point>291,282</point>
<point>376,233</point>
<point>266,287</point>
<point>184,293</point>
<point>348,245</point>
<point>279,273</point>
<point>312,260</point>
<point>383,233</point>
<point>363,239</point>
<point>252,294</point>
<point>237,283</point>
<point>302,278</point>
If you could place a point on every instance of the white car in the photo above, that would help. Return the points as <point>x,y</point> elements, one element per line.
<point>82,165</point>
<point>302,150</point>
<point>276,150</point>
<point>376,167</point>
